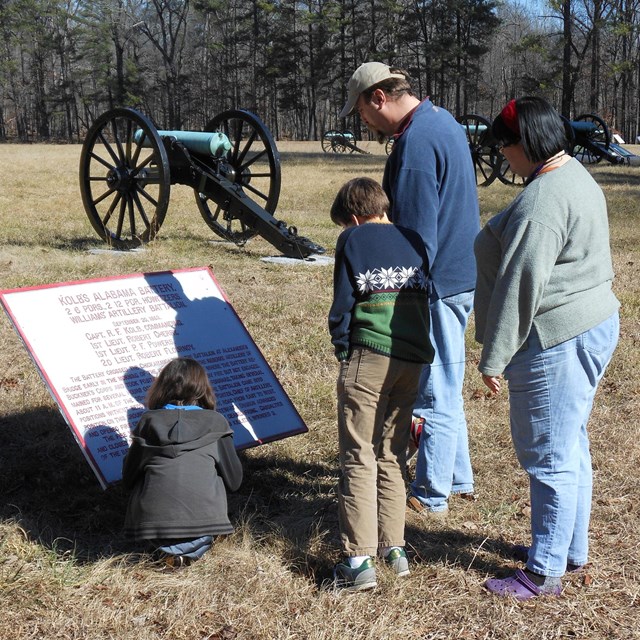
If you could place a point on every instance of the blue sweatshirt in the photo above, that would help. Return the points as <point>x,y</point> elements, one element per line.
<point>380,298</point>
<point>430,181</point>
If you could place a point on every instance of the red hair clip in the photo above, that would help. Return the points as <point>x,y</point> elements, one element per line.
<point>510,117</point>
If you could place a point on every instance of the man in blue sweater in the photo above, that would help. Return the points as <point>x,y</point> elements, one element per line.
<point>430,181</point>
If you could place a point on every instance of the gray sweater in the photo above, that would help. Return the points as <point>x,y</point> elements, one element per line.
<point>543,262</point>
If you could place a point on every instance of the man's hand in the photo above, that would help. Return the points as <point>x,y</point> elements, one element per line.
<point>492,382</point>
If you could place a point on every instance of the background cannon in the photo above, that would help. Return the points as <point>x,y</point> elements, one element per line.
<point>484,149</point>
<point>334,141</point>
<point>127,167</point>
<point>589,141</point>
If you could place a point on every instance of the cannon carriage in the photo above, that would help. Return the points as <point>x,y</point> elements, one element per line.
<point>589,141</point>
<point>334,141</point>
<point>127,167</point>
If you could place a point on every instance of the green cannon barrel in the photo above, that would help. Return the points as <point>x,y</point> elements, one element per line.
<point>214,143</point>
<point>586,127</point>
<point>475,128</point>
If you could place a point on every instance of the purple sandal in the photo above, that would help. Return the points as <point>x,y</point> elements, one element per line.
<point>520,587</point>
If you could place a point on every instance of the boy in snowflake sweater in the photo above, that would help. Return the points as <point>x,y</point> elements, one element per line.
<point>379,325</point>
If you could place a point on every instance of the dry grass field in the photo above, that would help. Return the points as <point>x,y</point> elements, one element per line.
<point>65,570</point>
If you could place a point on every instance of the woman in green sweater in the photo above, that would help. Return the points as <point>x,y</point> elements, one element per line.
<point>548,321</point>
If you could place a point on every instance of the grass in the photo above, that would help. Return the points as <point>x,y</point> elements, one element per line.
<point>66,572</point>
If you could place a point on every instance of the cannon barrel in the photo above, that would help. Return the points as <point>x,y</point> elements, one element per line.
<point>590,140</point>
<point>215,143</point>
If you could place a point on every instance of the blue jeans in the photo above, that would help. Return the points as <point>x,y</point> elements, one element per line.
<point>551,393</point>
<point>443,465</point>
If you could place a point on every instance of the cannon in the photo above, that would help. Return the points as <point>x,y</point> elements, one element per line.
<point>483,148</point>
<point>589,141</point>
<point>127,167</point>
<point>334,141</point>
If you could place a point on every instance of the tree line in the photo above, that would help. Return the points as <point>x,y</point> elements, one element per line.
<point>64,62</point>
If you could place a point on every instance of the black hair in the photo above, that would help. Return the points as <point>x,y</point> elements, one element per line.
<point>542,132</point>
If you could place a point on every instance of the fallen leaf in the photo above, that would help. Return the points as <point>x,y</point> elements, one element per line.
<point>9,383</point>
<point>226,633</point>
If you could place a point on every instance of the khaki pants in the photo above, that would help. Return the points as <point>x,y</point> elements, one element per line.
<point>375,400</point>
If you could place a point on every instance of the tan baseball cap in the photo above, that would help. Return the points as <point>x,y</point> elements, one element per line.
<point>365,76</point>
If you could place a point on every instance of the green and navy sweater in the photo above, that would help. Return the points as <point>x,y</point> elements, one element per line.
<point>380,293</point>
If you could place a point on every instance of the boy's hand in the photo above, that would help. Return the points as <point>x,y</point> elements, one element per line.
<point>492,382</point>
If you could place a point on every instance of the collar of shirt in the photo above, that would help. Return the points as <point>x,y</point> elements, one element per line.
<point>406,121</point>
<point>186,407</point>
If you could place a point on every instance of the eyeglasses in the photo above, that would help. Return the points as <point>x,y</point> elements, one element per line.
<point>505,145</point>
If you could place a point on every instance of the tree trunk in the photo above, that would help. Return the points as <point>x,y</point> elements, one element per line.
<point>567,93</point>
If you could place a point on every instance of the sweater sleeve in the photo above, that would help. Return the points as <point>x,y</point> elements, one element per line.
<point>529,253</point>
<point>228,464</point>
<point>343,303</point>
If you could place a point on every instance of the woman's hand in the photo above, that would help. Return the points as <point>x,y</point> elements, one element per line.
<point>492,382</point>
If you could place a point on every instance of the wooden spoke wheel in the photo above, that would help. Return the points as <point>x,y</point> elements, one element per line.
<point>569,134</point>
<point>346,141</point>
<point>328,140</point>
<point>506,175</point>
<point>253,164</point>
<point>483,148</point>
<point>389,145</point>
<point>598,135</point>
<point>124,178</point>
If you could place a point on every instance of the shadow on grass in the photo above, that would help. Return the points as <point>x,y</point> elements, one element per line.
<point>291,501</point>
<point>207,239</point>
<point>254,249</point>
<point>91,244</point>
<point>293,157</point>
<point>51,493</point>
<point>452,546</point>
<point>295,502</point>
<point>614,178</point>
<point>49,490</point>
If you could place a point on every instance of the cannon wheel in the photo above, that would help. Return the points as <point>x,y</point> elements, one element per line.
<point>484,151</point>
<point>125,186</point>
<point>255,167</point>
<point>343,148</point>
<point>506,176</point>
<point>327,141</point>
<point>569,134</point>
<point>600,135</point>
<point>389,145</point>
